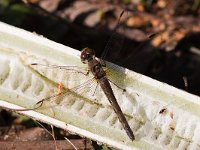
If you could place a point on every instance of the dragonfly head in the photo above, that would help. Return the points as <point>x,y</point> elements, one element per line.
<point>87,54</point>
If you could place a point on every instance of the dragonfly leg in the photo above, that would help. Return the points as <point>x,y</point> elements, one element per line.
<point>102,62</point>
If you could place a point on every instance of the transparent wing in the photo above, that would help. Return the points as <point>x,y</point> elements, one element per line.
<point>70,69</point>
<point>63,98</point>
<point>86,89</point>
<point>115,42</point>
<point>69,76</point>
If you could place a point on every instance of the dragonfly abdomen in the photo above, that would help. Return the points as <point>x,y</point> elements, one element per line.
<point>106,87</point>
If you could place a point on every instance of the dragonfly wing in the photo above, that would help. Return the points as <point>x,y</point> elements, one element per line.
<point>115,42</point>
<point>69,76</point>
<point>86,89</point>
<point>70,69</point>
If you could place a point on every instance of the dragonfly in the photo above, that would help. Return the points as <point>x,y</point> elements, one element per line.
<point>96,68</point>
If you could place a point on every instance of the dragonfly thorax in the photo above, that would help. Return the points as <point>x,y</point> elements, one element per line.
<point>98,71</point>
<point>87,55</point>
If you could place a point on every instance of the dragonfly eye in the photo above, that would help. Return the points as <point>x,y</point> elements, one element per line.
<point>86,55</point>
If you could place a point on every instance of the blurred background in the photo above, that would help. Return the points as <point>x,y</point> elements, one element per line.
<point>157,38</point>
